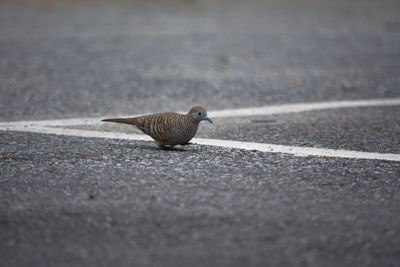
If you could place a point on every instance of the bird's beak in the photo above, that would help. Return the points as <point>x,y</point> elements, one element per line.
<point>208,118</point>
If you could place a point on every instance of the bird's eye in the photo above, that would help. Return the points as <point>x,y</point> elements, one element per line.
<point>199,113</point>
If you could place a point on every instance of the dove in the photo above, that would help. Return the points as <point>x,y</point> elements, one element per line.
<point>168,129</point>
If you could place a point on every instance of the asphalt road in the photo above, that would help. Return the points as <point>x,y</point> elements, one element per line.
<point>72,201</point>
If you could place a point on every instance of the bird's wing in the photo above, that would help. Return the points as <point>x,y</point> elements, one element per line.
<point>160,126</point>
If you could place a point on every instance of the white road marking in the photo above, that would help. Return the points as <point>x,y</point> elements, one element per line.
<point>269,148</point>
<point>241,112</point>
<point>298,151</point>
<point>81,133</point>
<point>301,107</point>
<point>48,127</point>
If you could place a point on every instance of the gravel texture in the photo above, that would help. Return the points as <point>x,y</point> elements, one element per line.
<point>79,201</point>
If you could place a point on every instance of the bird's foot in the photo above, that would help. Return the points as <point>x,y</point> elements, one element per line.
<point>186,144</point>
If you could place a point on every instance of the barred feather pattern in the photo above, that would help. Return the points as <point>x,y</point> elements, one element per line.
<point>168,128</point>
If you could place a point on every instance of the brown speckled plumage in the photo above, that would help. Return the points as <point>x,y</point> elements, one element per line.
<point>169,128</point>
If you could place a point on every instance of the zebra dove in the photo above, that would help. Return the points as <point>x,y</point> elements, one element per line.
<point>169,128</point>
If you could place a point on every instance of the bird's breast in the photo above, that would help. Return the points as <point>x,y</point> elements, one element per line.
<point>184,133</point>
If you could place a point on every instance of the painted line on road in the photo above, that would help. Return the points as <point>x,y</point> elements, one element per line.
<point>269,148</point>
<point>298,151</point>
<point>240,112</point>
<point>302,107</point>
<point>57,127</point>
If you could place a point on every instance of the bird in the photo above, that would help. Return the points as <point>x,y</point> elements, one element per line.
<point>168,129</point>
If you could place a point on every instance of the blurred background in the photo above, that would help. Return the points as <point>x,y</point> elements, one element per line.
<point>70,58</point>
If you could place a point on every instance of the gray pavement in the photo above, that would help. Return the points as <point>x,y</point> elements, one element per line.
<point>78,202</point>
<point>70,201</point>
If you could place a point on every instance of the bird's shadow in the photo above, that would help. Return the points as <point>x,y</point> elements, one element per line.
<point>172,149</point>
<point>152,147</point>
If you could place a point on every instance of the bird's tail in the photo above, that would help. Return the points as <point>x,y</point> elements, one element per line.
<point>121,120</point>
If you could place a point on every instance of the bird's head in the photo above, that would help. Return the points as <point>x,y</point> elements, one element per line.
<point>199,113</point>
